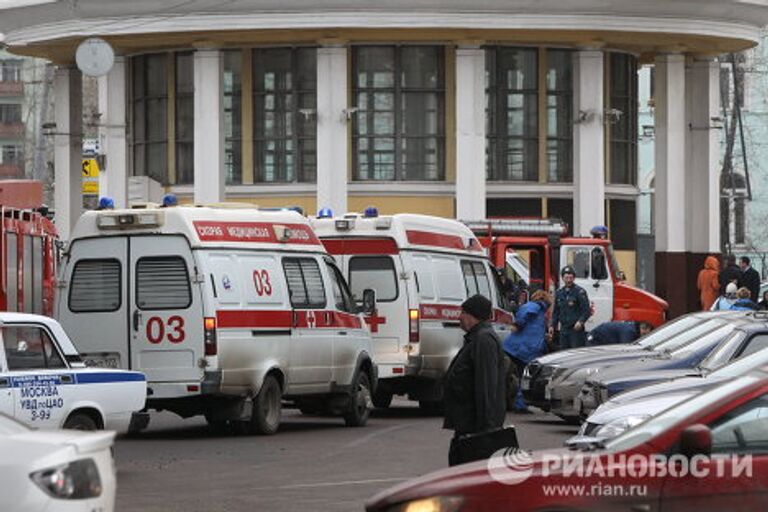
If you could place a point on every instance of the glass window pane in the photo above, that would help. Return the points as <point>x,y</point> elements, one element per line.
<point>421,67</point>
<point>162,283</point>
<point>96,286</point>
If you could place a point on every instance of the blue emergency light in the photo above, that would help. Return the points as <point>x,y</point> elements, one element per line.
<point>325,213</point>
<point>106,203</point>
<point>170,200</point>
<point>371,212</point>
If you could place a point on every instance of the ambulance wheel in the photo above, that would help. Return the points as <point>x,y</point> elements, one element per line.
<point>359,405</point>
<point>267,407</point>
<point>80,421</point>
<point>382,398</point>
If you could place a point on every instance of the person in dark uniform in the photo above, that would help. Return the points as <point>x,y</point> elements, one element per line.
<point>750,279</point>
<point>571,311</point>
<point>475,383</point>
<point>617,332</point>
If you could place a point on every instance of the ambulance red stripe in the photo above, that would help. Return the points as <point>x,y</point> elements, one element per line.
<point>440,240</point>
<point>281,319</point>
<point>253,232</point>
<point>451,313</point>
<point>360,245</point>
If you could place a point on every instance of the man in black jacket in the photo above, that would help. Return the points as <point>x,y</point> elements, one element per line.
<point>475,383</point>
<point>750,279</point>
<point>730,273</point>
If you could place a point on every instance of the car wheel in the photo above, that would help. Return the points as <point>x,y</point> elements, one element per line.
<point>267,407</point>
<point>382,398</point>
<point>80,421</point>
<point>359,404</point>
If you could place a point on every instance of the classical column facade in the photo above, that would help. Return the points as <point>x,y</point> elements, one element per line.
<point>670,183</point>
<point>113,178</point>
<point>470,132</point>
<point>68,93</point>
<point>588,141</point>
<point>209,127</point>
<point>333,115</point>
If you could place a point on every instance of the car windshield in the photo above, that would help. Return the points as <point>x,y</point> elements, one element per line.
<point>688,336</point>
<point>668,331</point>
<point>701,343</point>
<point>723,352</point>
<point>9,426</point>
<point>675,414</point>
<point>742,366</point>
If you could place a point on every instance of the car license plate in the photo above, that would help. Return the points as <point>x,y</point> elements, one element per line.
<point>108,360</point>
<point>525,384</point>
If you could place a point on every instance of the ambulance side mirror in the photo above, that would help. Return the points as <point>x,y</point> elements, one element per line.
<point>369,301</point>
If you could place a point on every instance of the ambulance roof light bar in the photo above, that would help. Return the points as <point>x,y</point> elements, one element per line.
<point>128,220</point>
<point>517,227</point>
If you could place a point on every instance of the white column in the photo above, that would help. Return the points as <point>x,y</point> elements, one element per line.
<point>113,178</point>
<point>332,118</point>
<point>68,93</point>
<point>588,142</point>
<point>209,127</point>
<point>670,148</point>
<point>470,133</point>
<point>703,152</point>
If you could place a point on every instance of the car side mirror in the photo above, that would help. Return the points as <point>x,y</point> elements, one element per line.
<point>369,301</point>
<point>696,440</point>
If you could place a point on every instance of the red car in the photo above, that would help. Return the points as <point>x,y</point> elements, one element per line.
<point>708,453</point>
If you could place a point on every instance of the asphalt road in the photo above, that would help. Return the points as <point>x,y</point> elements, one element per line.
<point>311,464</point>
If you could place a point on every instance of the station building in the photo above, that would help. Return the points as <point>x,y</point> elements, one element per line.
<point>458,109</point>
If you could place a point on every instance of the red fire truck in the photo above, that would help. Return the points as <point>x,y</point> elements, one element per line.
<point>28,268</point>
<point>534,251</point>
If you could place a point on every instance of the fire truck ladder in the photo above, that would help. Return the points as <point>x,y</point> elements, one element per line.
<point>517,227</point>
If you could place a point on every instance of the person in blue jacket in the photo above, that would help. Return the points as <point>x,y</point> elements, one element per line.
<point>617,332</point>
<point>743,301</point>
<point>527,341</point>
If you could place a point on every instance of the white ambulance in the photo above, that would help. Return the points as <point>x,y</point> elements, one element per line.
<point>227,311</point>
<point>422,268</point>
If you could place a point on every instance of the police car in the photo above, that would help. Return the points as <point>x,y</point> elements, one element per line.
<point>45,384</point>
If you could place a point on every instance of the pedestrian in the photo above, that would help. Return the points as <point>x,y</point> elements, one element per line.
<point>475,383</point>
<point>525,343</point>
<point>743,301</point>
<point>763,304</point>
<point>724,302</point>
<point>708,282</point>
<point>730,273</point>
<point>618,332</point>
<point>571,311</point>
<point>750,279</point>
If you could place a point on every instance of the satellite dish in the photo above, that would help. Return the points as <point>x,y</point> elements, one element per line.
<point>94,57</point>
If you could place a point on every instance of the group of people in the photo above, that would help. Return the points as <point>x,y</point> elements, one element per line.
<point>476,384</point>
<point>732,287</point>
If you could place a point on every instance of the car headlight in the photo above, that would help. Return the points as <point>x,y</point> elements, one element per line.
<point>74,481</point>
<point>620,425</point>
<point>434,504</point>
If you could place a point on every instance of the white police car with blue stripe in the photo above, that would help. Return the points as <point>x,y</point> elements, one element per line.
<point>45,384</point>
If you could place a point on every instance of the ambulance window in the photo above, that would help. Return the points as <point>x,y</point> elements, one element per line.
<point>341,295</point>
<point>423,275</point>
<point>475,279</point>
<point>448,279</point>
<point>162,283</point>
<point>376,273</point>
<point>29,348</point>
<point>305,282</point>
<point>95,286</point>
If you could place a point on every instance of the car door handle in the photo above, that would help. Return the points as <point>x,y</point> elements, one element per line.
<point>136,320</point>
<point>5,383</point>
<point>67,379</point>
<point>342,333</point>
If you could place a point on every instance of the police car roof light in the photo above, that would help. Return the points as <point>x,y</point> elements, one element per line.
<point>325,213</point>
<point>371,212</point>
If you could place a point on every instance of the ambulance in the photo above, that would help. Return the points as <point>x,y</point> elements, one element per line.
<point>422,268</point>
<point>228,312</point>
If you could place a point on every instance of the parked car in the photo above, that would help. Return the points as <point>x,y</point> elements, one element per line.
<point>59,470</point>
<point>714,432</point>
<point>721,343</point>
<point>45,384</point>
<point>746,348</point>
<point>553,381</point>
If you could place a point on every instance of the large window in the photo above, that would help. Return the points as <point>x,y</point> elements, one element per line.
<point>12,155</point>
<point>375,272</point>
<point>621,119</point>
<point>285,103</point>
<point>398,129</point>
<point>10,113</point>
<point>233,162</point>
<point>305,283</point>
<point>512,114</point>
<point>185,118</point>
<point>150,110</point>
<point>95,286</point>
<point>162,283</point>
<point>559,116</point>
<point>10,70</point>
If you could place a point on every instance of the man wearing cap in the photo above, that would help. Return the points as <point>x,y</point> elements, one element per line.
<point>475,383</point>
<point>571,311</point>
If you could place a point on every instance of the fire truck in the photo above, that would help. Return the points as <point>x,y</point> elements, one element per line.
<point>534,251</point>
<point>28,269</point>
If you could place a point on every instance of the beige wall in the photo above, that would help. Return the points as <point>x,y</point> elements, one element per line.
<point>628,263</point>
<point>440,206</point>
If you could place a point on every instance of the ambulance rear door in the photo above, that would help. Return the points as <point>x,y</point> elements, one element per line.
<point>166,312</point>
